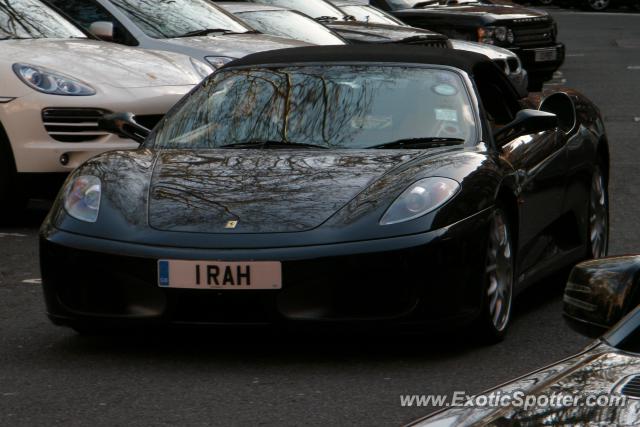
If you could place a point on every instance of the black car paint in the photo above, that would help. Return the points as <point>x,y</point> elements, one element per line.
<point>528,176</point>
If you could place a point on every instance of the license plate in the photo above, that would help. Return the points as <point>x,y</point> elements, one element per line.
<point>219,275</point>
<point>544,55</point>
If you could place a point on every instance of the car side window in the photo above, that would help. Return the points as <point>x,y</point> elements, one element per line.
<point>85,13</point>
<point>499,103</point>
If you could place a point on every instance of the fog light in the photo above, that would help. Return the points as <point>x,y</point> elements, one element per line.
<point>64,159</point>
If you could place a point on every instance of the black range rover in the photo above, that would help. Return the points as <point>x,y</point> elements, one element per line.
<point>530,33</point>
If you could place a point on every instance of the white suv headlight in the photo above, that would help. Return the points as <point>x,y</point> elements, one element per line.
<point>50,82</point>
<point>82,198</point>
<point>420,198</point>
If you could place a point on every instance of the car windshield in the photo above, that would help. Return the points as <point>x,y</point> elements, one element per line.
<point>30,19</point>
<point>318,9</point>
<point>290,24</point>
<point>178,18</point>
<point>370,14</point>
<point>330,106</point>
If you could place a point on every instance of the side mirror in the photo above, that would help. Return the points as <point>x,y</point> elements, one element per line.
<point>102,29</point>
<point>124,125</point>
<point>526,123</point>
<point>562,106</point>
<point>601,292</point>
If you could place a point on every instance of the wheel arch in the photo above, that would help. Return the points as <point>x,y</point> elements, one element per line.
<point>507,198</point>
<point>6,149</point>
<point>603,156</point>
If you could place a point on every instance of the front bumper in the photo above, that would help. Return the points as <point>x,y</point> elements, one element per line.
<point>36,151</point>
<point>540,67</point>
<point>429,278</point>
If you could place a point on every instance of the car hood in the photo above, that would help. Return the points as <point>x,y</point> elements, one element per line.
<point>236,45</point>
<point>266,191</point>
<point>492,52</point>
<point>376,33</point>
<point>495,11</point>
<point>96,62</point>
<point>601,370</point>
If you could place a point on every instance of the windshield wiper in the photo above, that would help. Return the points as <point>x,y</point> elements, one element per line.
<point>206,32</point>
<point>271,144</point>
<point>420,143</point>
<point>326,18</point>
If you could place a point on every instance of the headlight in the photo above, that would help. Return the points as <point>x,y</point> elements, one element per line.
<point>201,68</point>
<point>50,82</point>
<point>490,35</point>
<point>82,198</point>
<point>419,199</point>
<point>218,61</point>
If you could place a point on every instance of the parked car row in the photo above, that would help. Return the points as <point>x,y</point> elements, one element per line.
<point>407,146</point>
<point>297,162</point>
<point>95,57</point>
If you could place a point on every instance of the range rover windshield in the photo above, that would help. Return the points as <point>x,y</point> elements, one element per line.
<point>31,19</point>
<point>365,13</point>
<point>345,106</point>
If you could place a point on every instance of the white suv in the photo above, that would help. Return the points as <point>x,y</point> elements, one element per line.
<point>56,82</point>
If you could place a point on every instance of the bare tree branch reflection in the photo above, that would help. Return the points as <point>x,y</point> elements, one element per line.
<point>339,107</point>
<point>31,19</point>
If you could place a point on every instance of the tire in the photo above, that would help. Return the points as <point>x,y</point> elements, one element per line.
<point>598,5</point>
<point>598,232</point>
<point>498,283</point>
<point>13,198</point>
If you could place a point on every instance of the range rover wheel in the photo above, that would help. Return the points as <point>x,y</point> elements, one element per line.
<point>499,277</point>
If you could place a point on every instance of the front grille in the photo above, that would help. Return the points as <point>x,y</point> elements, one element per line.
<point>73,124</point>
<point>81,124</point>
<point>534,35</point>
<point>632,387</point>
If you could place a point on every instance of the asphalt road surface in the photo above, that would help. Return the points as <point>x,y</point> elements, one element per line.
<point>49,375</point>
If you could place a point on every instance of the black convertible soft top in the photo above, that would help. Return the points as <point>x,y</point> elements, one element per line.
<point>466,61</point>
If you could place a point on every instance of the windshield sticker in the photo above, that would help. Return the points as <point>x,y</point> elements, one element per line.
<point>446,115</point>
<point>445,89</point>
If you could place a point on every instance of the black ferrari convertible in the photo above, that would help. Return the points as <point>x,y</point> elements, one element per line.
<point>373,185</point>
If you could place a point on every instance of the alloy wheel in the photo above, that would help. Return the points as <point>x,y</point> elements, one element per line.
<point>499,272</point>
<point>598,216</point>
